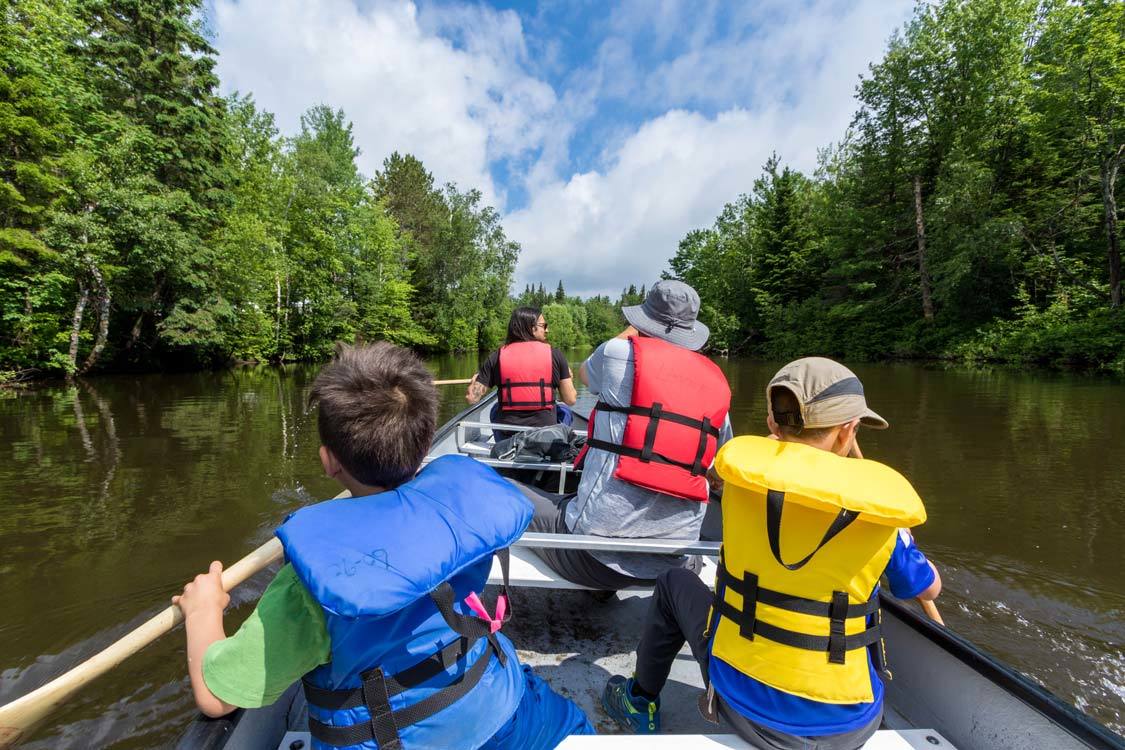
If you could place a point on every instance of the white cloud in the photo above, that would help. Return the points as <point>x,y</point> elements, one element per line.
<point>453,85</point>
<point>405,88</point>
<point>795,70</point>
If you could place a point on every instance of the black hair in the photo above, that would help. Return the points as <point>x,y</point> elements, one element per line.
<point>377,412</point>
<point>521,326</point>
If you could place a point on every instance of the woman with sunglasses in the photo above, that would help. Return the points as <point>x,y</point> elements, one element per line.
<point>527,371</point>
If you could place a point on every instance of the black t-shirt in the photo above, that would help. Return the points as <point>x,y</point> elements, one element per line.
<point>489,377</point>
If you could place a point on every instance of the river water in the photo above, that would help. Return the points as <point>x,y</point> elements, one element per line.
<point>116,491</point>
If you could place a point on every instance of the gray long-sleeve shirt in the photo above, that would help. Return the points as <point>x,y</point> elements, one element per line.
<point>610,507</point>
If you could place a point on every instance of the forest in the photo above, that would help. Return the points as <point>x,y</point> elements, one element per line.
<point>147,222</point>
<point>970,212</point>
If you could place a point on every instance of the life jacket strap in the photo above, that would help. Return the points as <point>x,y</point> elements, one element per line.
<point>836,644</point>
<point>546,393</point>
<point>378,688</point>
<point>775,504</point>
<point>385,723</point>
<point>703,424</point>
<point>749,582</point>
<point>655,414</point>
<point>411,677</point>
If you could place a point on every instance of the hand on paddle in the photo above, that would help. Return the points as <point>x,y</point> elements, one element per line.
<point>202,603</point>
<point>204,594</point>
<point>475,391</point>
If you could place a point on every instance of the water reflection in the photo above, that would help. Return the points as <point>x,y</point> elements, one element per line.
<point>117,490</point>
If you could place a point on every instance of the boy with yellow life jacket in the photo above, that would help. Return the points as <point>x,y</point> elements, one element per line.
<point>789,640</point>
<point>662,413</point>
<point>377,606</point>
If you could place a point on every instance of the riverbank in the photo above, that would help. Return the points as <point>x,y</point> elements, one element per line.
<point>971,356</point>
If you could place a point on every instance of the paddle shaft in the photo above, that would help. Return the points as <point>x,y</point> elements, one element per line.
<point>459,381</point>
<point>21,715</point>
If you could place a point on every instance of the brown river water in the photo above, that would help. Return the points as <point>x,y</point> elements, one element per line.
<point>117,490</point>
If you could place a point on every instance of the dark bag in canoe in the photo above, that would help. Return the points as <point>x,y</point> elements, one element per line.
<point>556,443</point>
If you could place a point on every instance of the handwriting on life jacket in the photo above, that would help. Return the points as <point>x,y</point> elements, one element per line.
<point>348,566</point>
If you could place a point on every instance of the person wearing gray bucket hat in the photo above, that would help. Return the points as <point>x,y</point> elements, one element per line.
<point>643,487</point>
<point>670,312</point>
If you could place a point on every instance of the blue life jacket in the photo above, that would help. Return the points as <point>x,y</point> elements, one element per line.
<point>410,666</point>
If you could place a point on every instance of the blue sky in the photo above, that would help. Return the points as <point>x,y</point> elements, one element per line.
<point>602,132</point>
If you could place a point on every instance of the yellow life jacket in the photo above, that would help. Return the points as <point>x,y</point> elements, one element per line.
<point>806,536</point>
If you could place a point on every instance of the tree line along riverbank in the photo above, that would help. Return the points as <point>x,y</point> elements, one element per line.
<point>146,222</point>
<point>969,211</point>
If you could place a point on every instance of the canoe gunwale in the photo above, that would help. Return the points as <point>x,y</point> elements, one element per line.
<point>1083,727</point>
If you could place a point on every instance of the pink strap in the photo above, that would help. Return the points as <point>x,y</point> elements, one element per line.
<point>479,610</point>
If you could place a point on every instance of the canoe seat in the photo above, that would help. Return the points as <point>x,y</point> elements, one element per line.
<point>884,739</point>
<point>528,571</point>
<point>475,448</point>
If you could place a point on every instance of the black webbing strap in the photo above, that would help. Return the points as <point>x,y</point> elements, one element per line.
<point>470,626</point>
<point>385,723</point>
<point>636,453</point>
<point>697,467</point>
<point>749,615</point>
<point>703,424</point>
<point>423,671</point>
<point>545,397</point>
<point>654,413</point>
<point>382,725</point>
<point>837,633</point>
<point>799,640</point>
<point>789,602</point>
<point>775,501</point>
<point>505,558</point>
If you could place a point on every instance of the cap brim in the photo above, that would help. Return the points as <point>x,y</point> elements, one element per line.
<point>873,420</point>
<point>693,339</point>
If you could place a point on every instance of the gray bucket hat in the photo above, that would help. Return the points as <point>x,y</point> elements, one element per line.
<point>829,394</point>
<point>669,312</point>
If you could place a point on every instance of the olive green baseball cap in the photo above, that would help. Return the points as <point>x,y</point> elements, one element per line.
<point>829,394</point>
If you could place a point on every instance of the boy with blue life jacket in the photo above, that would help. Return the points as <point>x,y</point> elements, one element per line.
<point>789,640</point>
<point>377,607</point>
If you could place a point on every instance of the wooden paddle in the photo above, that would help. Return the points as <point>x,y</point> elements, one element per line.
<point>459,381</point>
<point>20,716</point>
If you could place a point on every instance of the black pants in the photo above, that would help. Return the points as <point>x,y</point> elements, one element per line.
<point>575,565</point>
<point>678,615</point>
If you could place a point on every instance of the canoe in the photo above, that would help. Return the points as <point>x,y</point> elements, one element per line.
<point>944,691</point>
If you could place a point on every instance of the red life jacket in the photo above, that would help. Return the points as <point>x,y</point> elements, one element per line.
<point>680,402</point>
<point>526,382</point>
